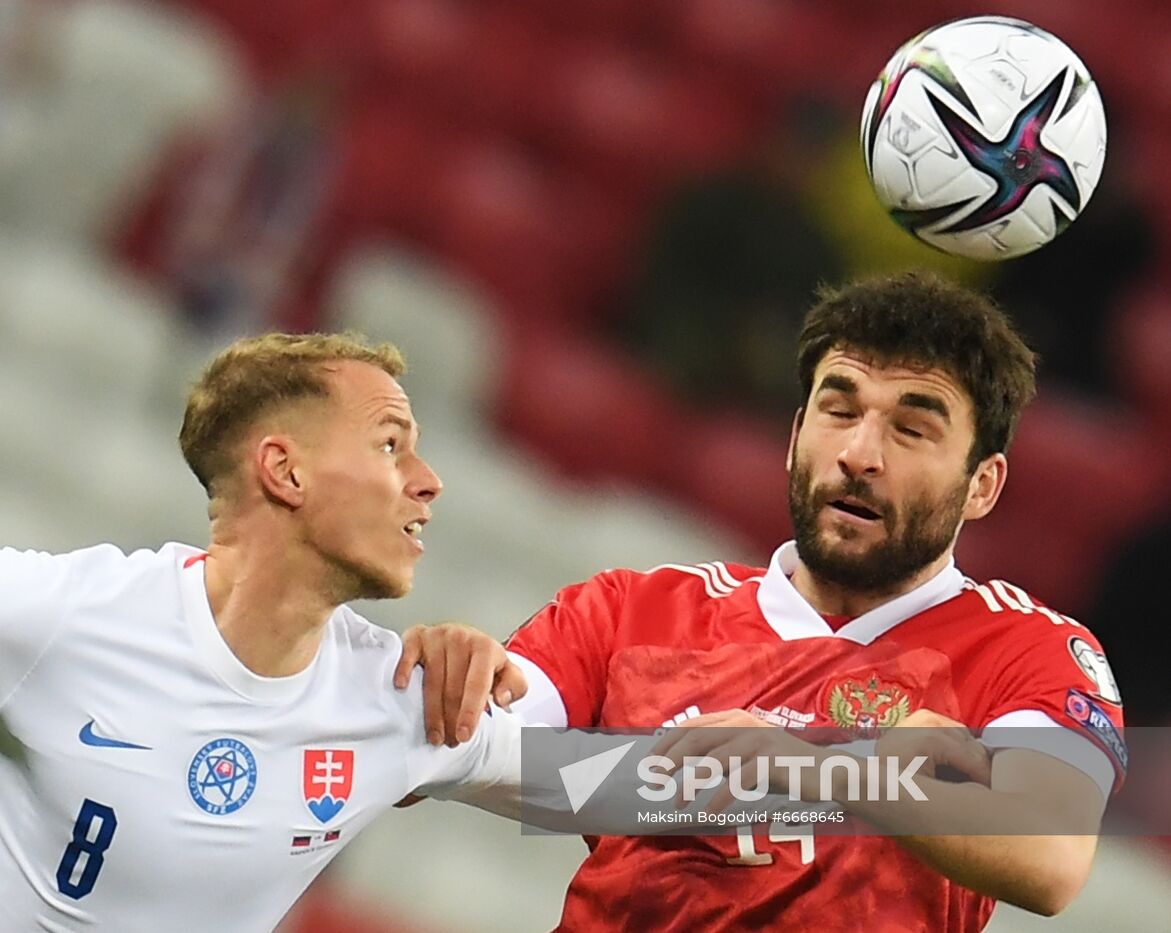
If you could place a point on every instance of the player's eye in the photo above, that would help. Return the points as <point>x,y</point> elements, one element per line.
<point>909,432</point>
<point>390,446</point>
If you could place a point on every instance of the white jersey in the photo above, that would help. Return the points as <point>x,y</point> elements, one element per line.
<point>167,787</point>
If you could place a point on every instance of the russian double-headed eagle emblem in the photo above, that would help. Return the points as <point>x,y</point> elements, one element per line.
<point>867,709</point>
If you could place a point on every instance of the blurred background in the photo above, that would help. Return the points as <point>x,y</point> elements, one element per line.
<point>593,226</point>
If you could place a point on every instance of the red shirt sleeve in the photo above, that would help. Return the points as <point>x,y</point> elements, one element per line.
<point>571,640</point>
<point>1061,670</point>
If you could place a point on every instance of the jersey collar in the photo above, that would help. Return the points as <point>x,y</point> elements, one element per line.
<point>214,650</point>
<point>792,618</point>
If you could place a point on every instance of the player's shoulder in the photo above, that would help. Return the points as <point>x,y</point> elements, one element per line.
<point>94,564</point>
<point>356,634</point>
<point>715,579</point>
<point>1043,634</point>
<point>1001,601</point>
<point>617,592</point>
<point>93,555</point>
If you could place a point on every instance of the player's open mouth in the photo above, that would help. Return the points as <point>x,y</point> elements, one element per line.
<point>413,529</point>
<point>855,508</point>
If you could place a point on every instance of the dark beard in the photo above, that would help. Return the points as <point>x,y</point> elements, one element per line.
<point>915,535</point>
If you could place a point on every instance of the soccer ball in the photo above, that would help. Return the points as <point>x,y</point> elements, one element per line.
<point>984,137</point>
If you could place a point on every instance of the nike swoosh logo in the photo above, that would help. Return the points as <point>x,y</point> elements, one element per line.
<point>89,737</point>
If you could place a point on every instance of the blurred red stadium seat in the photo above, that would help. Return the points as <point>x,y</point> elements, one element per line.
<point>641,23</point>
<point>305,33</point>
<point>540,237</point>
<point>506,72</point>
<point>638,121</point>
<point>389,168</point>
<point>496,219</point>
<point>734,468</point>
<point>1081,476</point>
<point>586,410</point>
<point>763,46</point>
<point>420,42</point>
<point>1141,352</point>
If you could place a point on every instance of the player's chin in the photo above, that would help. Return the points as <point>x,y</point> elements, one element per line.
<point>391,587</point>
<point>390,580</point>
<point>399,583</point>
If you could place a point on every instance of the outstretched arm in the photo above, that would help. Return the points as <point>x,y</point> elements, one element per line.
<point>462,668</point>
<point>1026,836</point>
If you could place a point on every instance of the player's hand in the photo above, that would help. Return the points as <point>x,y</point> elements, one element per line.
<point>688,738</point>
<point>753,738</point>
<point>461,667</point>
<point>947,744</point>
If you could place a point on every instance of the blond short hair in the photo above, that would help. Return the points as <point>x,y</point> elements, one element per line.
<point>256,376</point>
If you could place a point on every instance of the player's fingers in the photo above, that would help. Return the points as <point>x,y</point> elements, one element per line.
<point>707,719</point>
<point>510,684</point>
<point>712,758</point>
<point>677,743</point>
<point>434,677</point>
<point>697,736</point>
<point>668,736</point>
<point>412,654</point>
<point>973,760</point>
<point>477,684</point>
<point>458,658</point>
<point>677,732</point>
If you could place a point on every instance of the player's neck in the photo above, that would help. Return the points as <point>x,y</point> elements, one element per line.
<point>268,609</point>
<point>830,598</point>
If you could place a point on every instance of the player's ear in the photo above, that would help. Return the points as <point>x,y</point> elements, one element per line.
<point>985,486</point>
<point>278,470</point>
<point>798,417</point>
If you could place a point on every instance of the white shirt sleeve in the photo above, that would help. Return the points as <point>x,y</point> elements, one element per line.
<point>484,772</point>
<point>34,597</point>
<point>575,781</point>
<point>1037,731</point>
<point>542,705</point>
<point>490,758</point>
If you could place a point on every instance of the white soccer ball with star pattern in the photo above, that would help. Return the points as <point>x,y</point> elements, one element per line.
<point>984,137</point>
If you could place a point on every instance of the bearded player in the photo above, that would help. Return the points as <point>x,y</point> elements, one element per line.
<point>913,390</point>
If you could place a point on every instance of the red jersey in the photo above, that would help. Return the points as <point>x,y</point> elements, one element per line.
<point>628,649</point>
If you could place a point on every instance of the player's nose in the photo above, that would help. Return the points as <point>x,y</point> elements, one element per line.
<point>862,453</point>
<point>426,486</point>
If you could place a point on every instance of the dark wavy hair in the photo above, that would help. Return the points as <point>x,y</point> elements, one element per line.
<point>919,319</point>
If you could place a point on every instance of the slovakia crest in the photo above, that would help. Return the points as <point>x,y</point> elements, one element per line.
<point>222,776</point>
<point>327,776</point>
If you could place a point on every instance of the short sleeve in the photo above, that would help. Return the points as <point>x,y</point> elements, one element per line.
<point>33,602</point>
<point>571,640</point>
<point>1058,674</point>
<point>487,762</point>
